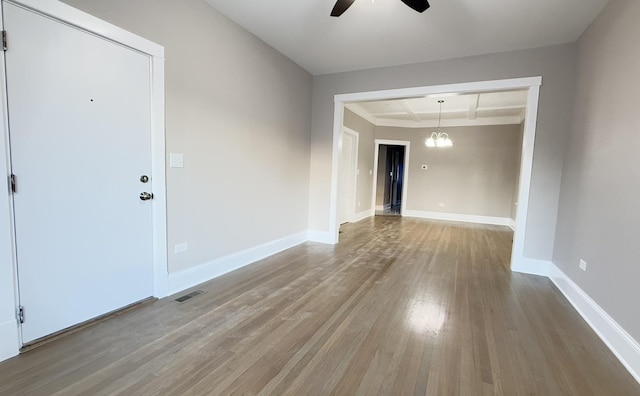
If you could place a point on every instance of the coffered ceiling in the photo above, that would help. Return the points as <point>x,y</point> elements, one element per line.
<point>488,108</point>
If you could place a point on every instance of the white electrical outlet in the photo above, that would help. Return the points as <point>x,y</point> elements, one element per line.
<point>181,247</point>
<point>583,265</point>
<point>370,172</point>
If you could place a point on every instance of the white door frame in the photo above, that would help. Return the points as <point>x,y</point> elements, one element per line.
<point>405,170</point>
<point>78,19</point>
<point>519,262</point>
<point>354,181</point>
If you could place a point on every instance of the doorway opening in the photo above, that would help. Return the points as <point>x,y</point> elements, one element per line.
<point>531,87</point>
<point>393,159</point>
<point>390,177</point>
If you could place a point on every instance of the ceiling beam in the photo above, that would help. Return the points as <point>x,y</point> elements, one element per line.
<point>474,100</point>
<point>407,108</point>
<point>426,114</point>
<point>458,122</point>
<point>514,107</point>
<point>420,114</point>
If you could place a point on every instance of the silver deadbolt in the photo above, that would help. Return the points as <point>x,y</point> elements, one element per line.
<point>144,179</point>
<point>145,196</point>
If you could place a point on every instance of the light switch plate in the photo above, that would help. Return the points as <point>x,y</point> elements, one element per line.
<point>181,247</point>
<point>176,160</point>
<point>583,265</point>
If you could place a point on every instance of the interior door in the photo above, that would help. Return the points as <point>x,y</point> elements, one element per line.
<point>398,170</point>
<point>396,161</point>
<point>346,177</point>
<point>80,138</point>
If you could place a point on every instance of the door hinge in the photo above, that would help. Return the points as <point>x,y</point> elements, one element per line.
<point>21,314</point>
<point>12,183</point>
<point>4,40</point>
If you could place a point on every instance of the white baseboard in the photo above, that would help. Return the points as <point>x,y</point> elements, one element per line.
<point>503,221</point>
<point>185,279</point>
<point>625,347</point>
<point>512,224</point>
<point>531,266</point>
<point>321,237</point>
<point>9,340</point>
<point>363,215</point>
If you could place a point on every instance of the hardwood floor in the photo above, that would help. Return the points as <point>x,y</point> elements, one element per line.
<point>399,307</point>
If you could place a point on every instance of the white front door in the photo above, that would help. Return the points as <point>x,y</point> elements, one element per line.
<point>79,127</point>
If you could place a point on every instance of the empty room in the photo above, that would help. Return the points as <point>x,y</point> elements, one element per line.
<point>351,197</point>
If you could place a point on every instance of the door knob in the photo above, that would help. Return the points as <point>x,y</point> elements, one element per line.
<point>145,196</point>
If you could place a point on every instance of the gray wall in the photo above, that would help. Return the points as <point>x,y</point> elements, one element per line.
<point>240,113</point>
<point>474,177</point>
<point>364,185</point>
<point>599,216</point>
<point>556,66</point>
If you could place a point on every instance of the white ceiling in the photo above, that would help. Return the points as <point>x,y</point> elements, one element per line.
<point>487,108</point>
<point>378,33</point>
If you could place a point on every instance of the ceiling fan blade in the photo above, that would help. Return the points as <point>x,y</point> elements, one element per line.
<point>418,5</point>
<point>340,7</point>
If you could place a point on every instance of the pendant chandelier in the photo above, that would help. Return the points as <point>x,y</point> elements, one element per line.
<point>439,138</point>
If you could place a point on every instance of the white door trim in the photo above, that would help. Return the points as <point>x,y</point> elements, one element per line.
<point>405,171</point>
<point>74,17</point>
<point>81,20</point>
<point>518,261</point>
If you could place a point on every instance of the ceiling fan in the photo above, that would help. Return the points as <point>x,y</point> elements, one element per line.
<point>342,5</point>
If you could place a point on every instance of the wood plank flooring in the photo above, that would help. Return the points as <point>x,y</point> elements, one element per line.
<point>399,307</point>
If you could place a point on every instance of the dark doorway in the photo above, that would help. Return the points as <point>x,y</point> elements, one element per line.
<point>390,173</point>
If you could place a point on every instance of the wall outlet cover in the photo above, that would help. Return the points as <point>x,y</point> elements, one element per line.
<point>181,247</point>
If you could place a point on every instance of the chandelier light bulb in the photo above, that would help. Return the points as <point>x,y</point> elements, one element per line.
<point>430,142</point>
